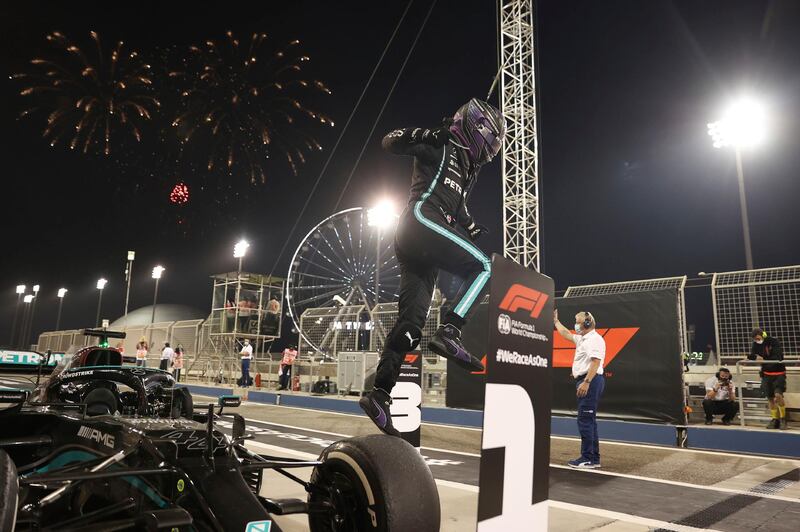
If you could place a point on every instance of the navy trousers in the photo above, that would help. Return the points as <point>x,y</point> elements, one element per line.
<point>587,419</point>
<point>245,371</point>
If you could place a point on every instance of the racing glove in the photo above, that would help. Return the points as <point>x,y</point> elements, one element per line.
<point>476,230</point>
<point>436,137</point>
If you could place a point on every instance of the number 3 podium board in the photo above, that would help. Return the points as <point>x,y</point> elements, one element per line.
<point>515,450</point>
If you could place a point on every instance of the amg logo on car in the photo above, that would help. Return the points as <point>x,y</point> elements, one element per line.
<point>95,435</point>
<point>520,297</point>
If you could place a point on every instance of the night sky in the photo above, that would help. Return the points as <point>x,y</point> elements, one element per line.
<point>631,186</point>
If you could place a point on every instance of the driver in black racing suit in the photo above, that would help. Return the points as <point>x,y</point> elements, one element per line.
<point>446,164</point>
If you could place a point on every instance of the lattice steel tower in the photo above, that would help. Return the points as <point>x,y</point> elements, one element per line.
<point>520,150</point>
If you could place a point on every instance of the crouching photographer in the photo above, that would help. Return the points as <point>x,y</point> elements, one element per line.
<point>720,397</point>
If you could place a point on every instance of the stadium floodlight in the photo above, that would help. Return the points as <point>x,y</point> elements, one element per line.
<point>131,255</point>
<point>101,284</point>
<point>35,289</point>
<point>28,298</point>
<point>240,249</point>
<point>157,271</point>
<point>743,124</point>
<point>21,288</point>
<point>61,293</point>
<point>382,215</point>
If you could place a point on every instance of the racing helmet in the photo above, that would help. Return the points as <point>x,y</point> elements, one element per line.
<point>479,127</point>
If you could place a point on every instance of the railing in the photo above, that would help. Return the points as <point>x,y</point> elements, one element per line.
<point>742,382</point>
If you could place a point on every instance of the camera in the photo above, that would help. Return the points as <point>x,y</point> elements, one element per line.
<point>724,382</point>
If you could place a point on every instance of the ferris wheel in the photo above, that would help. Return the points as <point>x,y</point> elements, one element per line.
<point>346,259</point>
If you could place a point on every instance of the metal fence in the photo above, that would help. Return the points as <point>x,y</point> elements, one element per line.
<point>645,285</point>
<point>768,298</point>
<point>187,333</point>
<point>328,330</point>
<point>62,341</point>
<point>383,318</point>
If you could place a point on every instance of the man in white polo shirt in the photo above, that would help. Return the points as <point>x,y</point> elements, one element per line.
<point>247,356</point>
<point>587,370</point>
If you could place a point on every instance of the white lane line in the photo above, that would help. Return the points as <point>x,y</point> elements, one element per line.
<point>618,516</point>
<point>309,456</point>
<point>685,450</point>
<point>457,485</point>
<point>360,416</point>
<point>682,484</point>
<point>718,489</point>
<point>462,453</point>
<point>268,447</point>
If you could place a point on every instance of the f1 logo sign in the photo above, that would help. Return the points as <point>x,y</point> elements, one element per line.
<point>524,298</point>
<point>410,358</point>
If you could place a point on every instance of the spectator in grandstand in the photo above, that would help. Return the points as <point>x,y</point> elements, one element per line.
<point>247,356</point>
<point>230,315</point>
<point>177,363</point>
<point>272,317</point>
<point>289,354</point>
<point>166,357</point>
<point>773,375</point>
<point>141,352</point>
<point>720,397</point>
<point>587,370</point>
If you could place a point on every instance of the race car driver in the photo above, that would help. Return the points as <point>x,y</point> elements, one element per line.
<point>436,231</point>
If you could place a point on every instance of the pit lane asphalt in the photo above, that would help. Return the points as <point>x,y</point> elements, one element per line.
<point>690,489</point>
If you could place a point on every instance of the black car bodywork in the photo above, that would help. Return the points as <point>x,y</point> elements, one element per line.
<point>70,462</point>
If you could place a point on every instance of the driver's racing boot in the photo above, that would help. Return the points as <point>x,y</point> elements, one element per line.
<point>376,405</point>
<point>447,343</point>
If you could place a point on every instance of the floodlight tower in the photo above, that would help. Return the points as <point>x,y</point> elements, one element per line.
<point>520,148</point>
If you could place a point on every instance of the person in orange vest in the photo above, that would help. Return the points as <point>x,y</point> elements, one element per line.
<point>289,354</point>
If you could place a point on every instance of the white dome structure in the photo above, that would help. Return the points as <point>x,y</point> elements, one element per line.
<point>142,316</point>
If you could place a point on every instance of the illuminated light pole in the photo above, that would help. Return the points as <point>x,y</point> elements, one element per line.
<point>128,275</point>
<point>239,251</point>
<point>29,329</point>
<point>61,293</point>
<point>20,293</point>
<point>27,300</point>
<point>743,125</point>
<point>101,284</point>
<point>157,271</point>
<point>381,216</point>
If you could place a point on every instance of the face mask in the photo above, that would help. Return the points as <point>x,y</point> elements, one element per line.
<point>759,341</point>
<point>577,327</point>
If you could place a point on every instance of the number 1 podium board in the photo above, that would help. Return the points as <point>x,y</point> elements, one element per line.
<point>515,450</point>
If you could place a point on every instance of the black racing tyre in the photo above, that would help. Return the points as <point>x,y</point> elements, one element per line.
<point>375,483</point>
<point>101,402</point>
<point>9,493</point>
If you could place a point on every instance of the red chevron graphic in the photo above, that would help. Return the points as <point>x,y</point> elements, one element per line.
<point>616,338</point>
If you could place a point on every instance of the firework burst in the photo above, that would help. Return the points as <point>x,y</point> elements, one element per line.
<point>242,104</point>
<point>90,97</point>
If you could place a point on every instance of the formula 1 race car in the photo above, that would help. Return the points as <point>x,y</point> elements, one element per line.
<point>81,456</point>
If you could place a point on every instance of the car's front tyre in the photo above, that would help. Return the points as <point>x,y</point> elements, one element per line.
<point>374,483</point>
